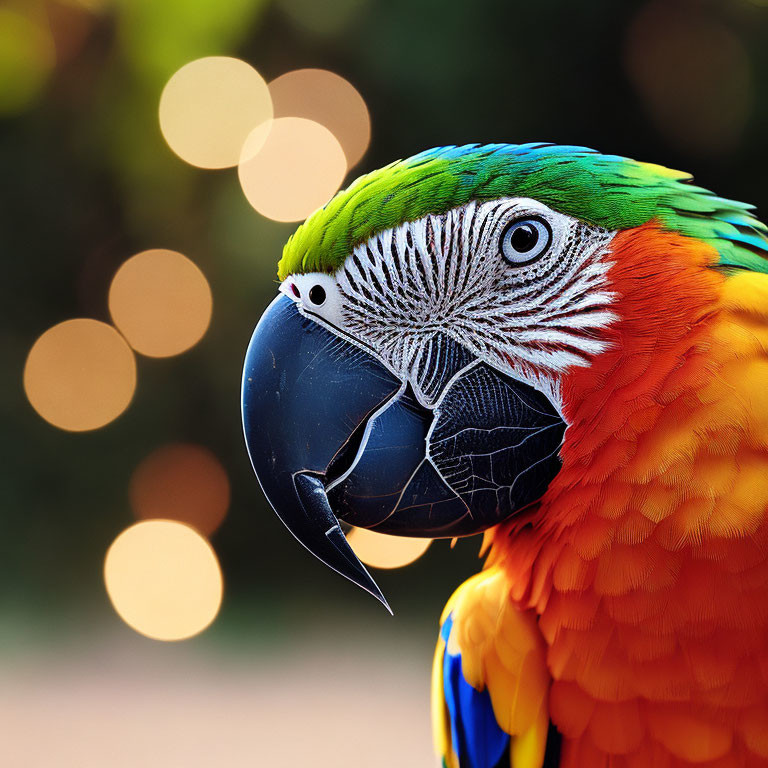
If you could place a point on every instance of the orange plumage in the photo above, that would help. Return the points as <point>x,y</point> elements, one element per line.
<point>646,561</point>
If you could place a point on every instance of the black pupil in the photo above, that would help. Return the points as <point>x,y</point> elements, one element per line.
<point>524,237</point>
<point>317,294</point>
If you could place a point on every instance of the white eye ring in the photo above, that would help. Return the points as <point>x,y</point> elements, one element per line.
<point>525,240</point>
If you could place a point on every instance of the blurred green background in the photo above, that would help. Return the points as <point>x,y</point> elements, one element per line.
<point>88,180</point>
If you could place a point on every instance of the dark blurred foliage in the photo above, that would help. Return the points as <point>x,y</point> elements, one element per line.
<point>87,181</point>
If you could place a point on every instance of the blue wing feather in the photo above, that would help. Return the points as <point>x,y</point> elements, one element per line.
<point>477,739</point>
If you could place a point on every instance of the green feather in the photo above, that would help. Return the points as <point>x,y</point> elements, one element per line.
<point>604,190</point>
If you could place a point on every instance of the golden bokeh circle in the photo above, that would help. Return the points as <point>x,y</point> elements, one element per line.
<point>380,550</point>
<point>208,108</point>
<point>80,375</point>
<point>161,302</point>
<point>289,167</point>
<point>183,482</point>
<point>163,579</point>
<point>328,99</point>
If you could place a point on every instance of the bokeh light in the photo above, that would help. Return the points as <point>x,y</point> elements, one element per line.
<point>161,302</point>
<point>380,550</point>
<point>182,482</point>
<point>328,99</point>
<point>208,108</point>
<point>26,58</point>
<point>163,579</point>
<point>80,375</point>
<point>289,167</point>
<point>693,74</point>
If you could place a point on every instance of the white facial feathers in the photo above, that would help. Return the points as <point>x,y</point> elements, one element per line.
<point>412,294</point>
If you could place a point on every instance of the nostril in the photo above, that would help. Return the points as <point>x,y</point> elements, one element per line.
<point>295,291</point>
<point>317,295</point>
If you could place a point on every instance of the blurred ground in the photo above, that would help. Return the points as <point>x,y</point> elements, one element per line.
<point>125,701</point>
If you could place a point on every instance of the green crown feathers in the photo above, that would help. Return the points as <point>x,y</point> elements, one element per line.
<point>604,190</point>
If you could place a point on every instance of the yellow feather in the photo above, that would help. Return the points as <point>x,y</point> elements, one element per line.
<point>528,749</point>
<point>441,728</point>
<point>502,650</point>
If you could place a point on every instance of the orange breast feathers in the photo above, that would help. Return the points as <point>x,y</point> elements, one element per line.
<point>647,559</point>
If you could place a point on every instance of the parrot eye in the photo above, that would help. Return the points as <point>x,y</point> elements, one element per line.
<point>524,240</point>
<point>317,295</point>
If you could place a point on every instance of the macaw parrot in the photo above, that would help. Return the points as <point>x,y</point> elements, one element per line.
<point>567,351</point>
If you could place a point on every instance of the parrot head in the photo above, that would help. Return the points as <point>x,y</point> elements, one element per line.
<point>413,374</point>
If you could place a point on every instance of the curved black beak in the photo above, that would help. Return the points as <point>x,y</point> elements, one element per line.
<point>333,434</point>
<point>305,392</point>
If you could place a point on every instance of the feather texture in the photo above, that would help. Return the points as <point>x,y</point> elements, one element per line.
<point>490,682</point>
<point>647,558</point>
<point>602,190</point>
